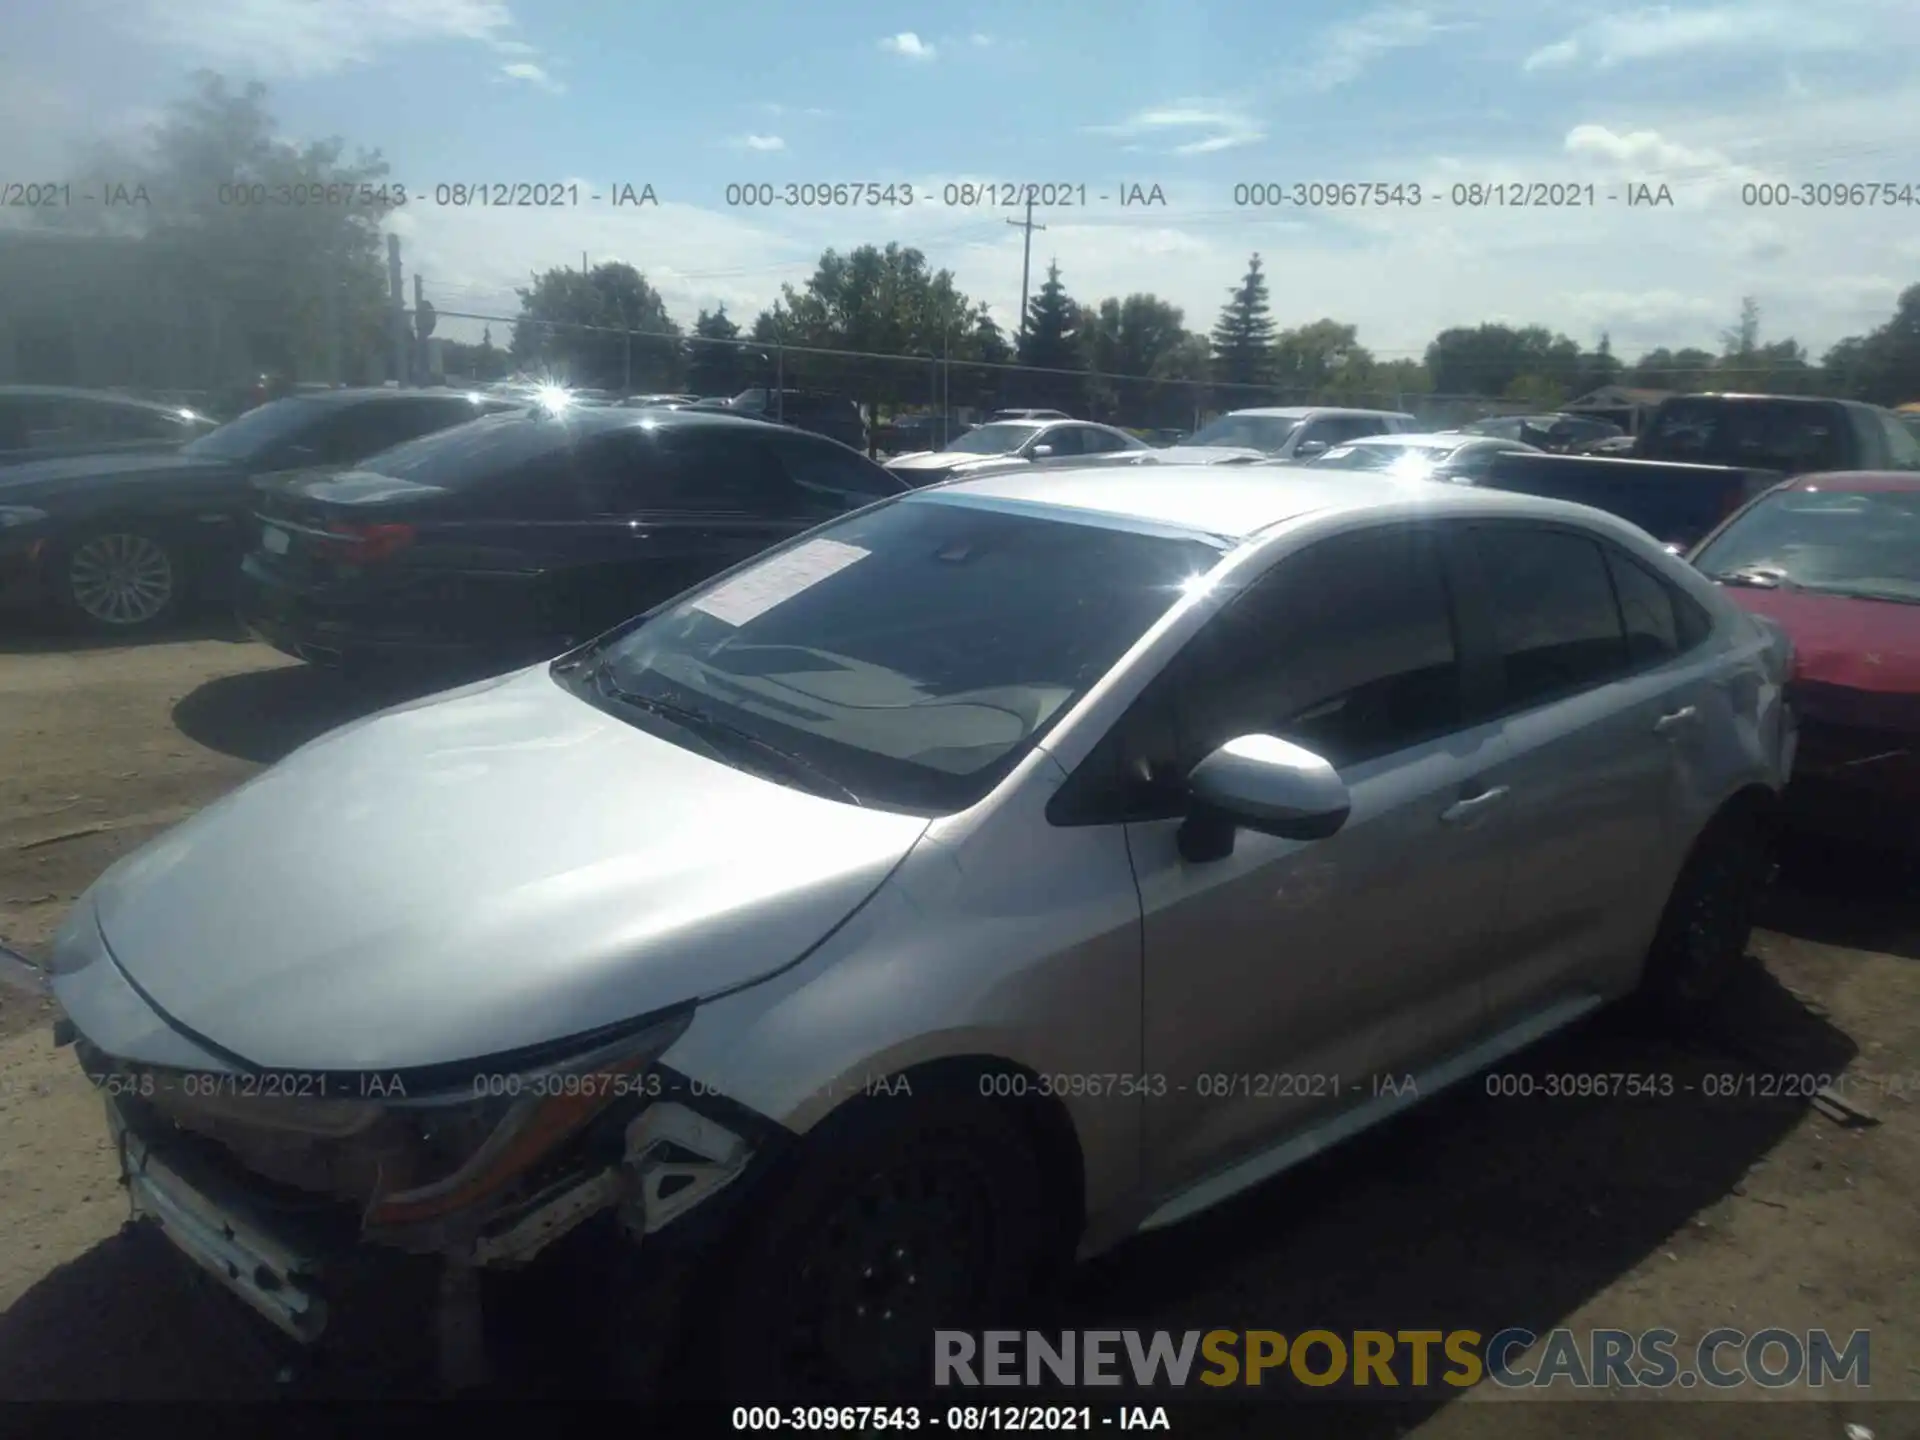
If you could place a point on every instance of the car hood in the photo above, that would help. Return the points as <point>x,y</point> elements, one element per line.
<point>71,473</point>
<point>1209,454</point>
<point>495,868</point>
<point>1871,645</point>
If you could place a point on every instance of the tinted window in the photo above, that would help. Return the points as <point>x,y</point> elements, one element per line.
<point>1065,439</point>
<point>695,470</point>
<point>473,454</point>
<point>913,653</point>
<point>837,474</point>
<point>1249,432</point>
<point>1102,442</point>
<point>1346,648</point>
<point>1791,436</point>
<point>1903,451</point>
<point>1649,611</point>
<point>1557,624</point>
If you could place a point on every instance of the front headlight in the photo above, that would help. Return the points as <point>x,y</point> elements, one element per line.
<point>14,516</point>
<point>476,1143</point>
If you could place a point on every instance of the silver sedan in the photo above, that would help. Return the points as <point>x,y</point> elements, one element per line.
<point>977,881</point>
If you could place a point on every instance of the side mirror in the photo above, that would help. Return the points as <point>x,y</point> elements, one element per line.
<point>1041,452</point>
<point>1308,449</point>
<point>1260,782</point>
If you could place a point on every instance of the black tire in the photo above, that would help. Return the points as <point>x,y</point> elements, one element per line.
<point>119,580</point>
<point>909,1216</point>
<point>1702,939</point>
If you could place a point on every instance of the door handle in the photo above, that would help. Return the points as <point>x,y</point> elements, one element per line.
<point>1473,805</point>
<point>1667,724</point>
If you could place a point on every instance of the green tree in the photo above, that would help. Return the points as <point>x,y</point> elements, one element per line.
<point>1052,342</point>
<point>1487,359</point>
<point>717,368</point>
<point>1882,366</point>
<point>295,289</point>
<point>1134,348</point>
<point>1243,336</point>
<point>1323,360</point>
<point>881,301</point>
<point>1664,369</point>
<point>604,327</point>
<point>1599,367</point>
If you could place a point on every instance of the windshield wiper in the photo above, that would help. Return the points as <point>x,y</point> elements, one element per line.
<point>1756,577</point>
<point>707,726</point>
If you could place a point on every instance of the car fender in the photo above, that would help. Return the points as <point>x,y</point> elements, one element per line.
<point>1000,940</point>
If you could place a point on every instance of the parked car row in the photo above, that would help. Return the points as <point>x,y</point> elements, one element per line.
<point>736,940</point>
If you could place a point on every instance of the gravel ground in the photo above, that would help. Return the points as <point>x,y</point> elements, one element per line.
<point>1476,1211</point>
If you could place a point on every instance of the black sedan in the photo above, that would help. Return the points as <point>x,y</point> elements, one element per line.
<point>120,542</point>
<point>514,537</point>
<point>46,422</point>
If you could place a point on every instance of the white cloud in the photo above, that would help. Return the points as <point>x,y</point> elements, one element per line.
<point>1664,32</point>
<point>980,40</point>
<point>1553,57</point>
<point>908,44</point>
<point>760,142</point>
<point>532,74</point>
<point>1341,52</point>
<point>1228,127</point>
<point>295,38</point>
<point>1641,150</point>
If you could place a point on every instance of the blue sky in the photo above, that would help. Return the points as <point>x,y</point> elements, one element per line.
<point>1193,97</point>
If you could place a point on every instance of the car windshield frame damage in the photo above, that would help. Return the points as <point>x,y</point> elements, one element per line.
<point>997,612</point>
<point>1732,557</point>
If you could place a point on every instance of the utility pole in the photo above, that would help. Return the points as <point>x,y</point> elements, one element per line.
<point>1026,261</point>
<point>396,311</point>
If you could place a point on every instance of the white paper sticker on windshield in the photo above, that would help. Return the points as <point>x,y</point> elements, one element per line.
<point>758,590</point>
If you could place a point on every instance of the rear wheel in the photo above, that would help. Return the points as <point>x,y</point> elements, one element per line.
<point>120,580</point>
<point>1703,934</point>
<point>910,1216</point>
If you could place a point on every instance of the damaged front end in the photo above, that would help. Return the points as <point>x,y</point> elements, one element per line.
<point>269,1182</point>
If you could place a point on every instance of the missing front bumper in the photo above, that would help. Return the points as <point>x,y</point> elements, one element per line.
<point>225,1236</point>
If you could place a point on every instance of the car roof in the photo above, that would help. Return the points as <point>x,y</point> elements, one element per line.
<point>1903,481</point>
<point>78,392</point>
<point>619,417</point>
<point>1303,412</point>
<point>1232,502</point>
<point>357,395</point>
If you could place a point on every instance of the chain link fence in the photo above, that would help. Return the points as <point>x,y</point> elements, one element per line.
<point>938,393</point>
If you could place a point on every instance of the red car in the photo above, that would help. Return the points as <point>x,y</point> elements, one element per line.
<point>1834,559</point>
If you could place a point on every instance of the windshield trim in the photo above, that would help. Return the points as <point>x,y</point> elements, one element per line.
<point>1070,515</point>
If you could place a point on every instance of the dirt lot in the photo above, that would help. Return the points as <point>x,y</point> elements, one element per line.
<point>1477,1211</point>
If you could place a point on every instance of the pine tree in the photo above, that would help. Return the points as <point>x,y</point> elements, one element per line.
<point>1052,342</point>
<point>715,369</point>
<point>1243,337</point>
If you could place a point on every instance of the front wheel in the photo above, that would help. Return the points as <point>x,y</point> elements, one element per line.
<point>906,1217</point>
<point>1702,939</point>
<point>119,580</point>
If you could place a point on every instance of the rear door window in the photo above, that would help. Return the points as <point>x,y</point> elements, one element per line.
<point>692,471</point>
<point>1903,451</point>
<point>1558,625</point>
<point>830,475</point>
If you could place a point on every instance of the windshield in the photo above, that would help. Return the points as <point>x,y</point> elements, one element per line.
<point>910,654</point>
<point>1248,432</point>
<point>259,431</point>
<point>995,439</point>
<point>1864,543</point>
